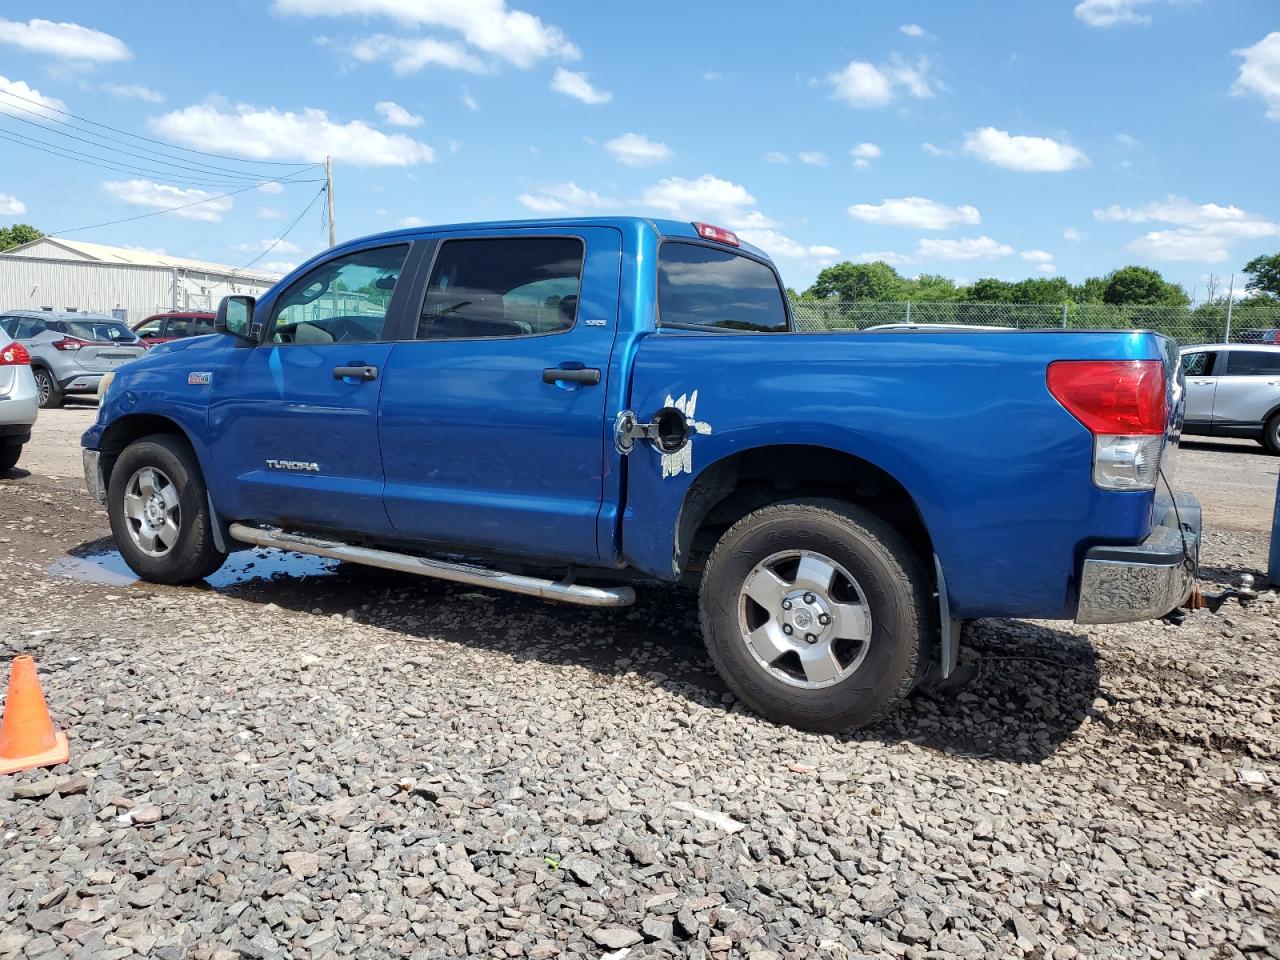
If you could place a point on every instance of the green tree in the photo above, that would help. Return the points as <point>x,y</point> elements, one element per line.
<point>1264,275</point>
<point>858,281</point>
<point>930,288</point>
<point>1042,290</point>
<point>1142,285</point>
<point>988,290</point>
<point>1090,291</point>
<point>17,235</point>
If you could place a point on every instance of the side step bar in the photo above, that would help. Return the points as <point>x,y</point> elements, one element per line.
<point>564,590</point>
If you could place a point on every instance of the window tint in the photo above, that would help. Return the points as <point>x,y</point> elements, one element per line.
<point>8,324</point>
<point>99,331</point>
<point>702,287</point>
<point>1197,364</point>
<point>343,300</point>
<point>29,327</point>
<point>150,329</point>
<point>504,287</point>
<point>200,326</point>
<point>1246,363</point>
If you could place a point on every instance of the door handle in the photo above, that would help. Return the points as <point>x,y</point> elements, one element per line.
<point>359,372</point>
<point>587,375</point>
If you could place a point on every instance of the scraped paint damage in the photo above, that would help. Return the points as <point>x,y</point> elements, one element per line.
<point>681,461</point>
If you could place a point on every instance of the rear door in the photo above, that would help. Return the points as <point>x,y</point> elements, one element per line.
<point>293,421</point>
<point>493,405</point>
<point>1248,388</point>
<point>1198,367</point>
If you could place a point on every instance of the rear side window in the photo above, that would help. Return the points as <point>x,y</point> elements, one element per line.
<point>502,287</point>
<point>29,327</point>
<point>703,288</point>
<point>99,331</point>
<point>1198,364</point>
<point>1246,363</point>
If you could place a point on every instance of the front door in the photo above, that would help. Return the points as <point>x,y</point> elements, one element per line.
<point>493,406</point>
<point>294,420</point>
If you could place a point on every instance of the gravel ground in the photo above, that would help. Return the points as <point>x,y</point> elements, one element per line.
<point>309,760</point>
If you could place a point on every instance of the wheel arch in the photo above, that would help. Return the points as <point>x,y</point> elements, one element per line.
<point>134,426</point>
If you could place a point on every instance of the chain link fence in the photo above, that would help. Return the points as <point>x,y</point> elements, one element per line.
<point>1250,320</point>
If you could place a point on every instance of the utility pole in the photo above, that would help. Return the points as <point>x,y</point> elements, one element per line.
<point>1231,299</point>
<point>328,194</point>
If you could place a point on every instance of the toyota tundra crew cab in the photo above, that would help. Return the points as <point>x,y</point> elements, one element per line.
<point>579,405</point>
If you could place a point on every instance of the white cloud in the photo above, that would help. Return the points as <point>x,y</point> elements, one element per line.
<point>1110,13</point>
<point>863,154</point>
<point>468,100</point>
<point>1202,233</point>
<point>397,115</point>
<point>1260,73</point>
<point>912,29</point>
<point>20,100</point>
<point>270,213</point>
<point>259,133</point>
<point>11,206</point>
<point>708,197</point>
<point>133,91</point>
<point>711,76</point>
<point>69,41</point>
<point>962,248</point>
<point>636,150</point>
<point>518,37</point>
<point>411,222</point>
<point>1071,233</point>
<point>775,156</point>
<point>564,198</point>
<point>1037,256</point>
<point>282,246</point>
<point>576,85</point>
<point>814,158</point>
<point>277,266</point>
<point>1125,140</point>
<point>271,187</point>
<point>780,247</point>
<point>1046,268</point>
<point>863,84</point>
<point>411,54</point>
<point>161,196</point>
<point>917,212</point>
<point>936,151</point>
<point>1025,154</point>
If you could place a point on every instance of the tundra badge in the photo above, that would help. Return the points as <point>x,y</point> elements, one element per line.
<point>301,465</point>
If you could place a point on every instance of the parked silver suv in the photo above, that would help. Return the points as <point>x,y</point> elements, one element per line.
<point>1233,390</point>
<point>17,401</point>
<point>70,351</point>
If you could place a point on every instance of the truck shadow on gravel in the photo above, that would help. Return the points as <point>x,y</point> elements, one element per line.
<point>1031,688</point>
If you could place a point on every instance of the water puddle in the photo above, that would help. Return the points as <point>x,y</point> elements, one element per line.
<point>101,563</point>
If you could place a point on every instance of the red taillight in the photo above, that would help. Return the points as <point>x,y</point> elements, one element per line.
<point>1112,396</point>
<point>69,343</point>
<point>15,354</point>
<point>719,234</point>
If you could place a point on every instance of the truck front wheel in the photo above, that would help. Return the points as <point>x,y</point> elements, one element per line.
<point>816,613</point>
<point>159,512</point>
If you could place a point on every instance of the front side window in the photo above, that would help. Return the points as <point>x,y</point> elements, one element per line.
<point>343,300</point>
<point>200,326</point>
<point>1253,363</point>
<point>502,287</point>
<point>704,288</point>
<point>1197,364</point>
<point>151,328</point>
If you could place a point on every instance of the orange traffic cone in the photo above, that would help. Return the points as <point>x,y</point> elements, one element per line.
<point>27,737</point>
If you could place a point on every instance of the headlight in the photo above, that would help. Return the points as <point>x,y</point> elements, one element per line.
<point>104,385</point>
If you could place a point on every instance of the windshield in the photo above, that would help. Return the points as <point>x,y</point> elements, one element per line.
<point>100,331</point>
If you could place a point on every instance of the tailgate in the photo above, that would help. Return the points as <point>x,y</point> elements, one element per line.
<point>99,358</point>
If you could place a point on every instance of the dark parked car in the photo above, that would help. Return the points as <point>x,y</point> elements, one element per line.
<point>163,327</point>
<point>1258,336</point>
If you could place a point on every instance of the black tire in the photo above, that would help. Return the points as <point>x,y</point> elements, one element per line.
<point>9,456</point>
<point>1271,434</point>
<point>193,556</point>
<point>895,589</point>
<point>51,395</point>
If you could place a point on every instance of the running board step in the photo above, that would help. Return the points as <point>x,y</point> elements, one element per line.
<point>564,590</point>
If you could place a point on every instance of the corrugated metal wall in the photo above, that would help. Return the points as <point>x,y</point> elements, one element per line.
<point>32,283</point>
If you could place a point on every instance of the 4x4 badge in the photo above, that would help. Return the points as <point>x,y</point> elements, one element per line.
<point>199,378</point>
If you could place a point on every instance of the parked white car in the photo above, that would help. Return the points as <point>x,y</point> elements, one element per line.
<point>19,401</point>
<point>1233,390</point>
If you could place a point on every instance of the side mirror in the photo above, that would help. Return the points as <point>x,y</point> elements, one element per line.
<point>235,316</point>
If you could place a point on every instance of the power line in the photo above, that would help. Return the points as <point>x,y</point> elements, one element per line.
<point>274,243</point>
<point>159,143</point>
<point>284,178</point>
<point>203,169</point>
<point>67,153</point>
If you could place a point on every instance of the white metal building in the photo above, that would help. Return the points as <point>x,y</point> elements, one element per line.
<point>57,274</point>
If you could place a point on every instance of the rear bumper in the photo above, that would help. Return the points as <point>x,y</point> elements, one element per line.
<point>19,407</point>
<point>81,383</point>
<point>1122,584</point>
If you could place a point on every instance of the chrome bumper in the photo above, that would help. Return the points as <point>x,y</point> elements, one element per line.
<point>94,482</point>
<point>1145,581</point>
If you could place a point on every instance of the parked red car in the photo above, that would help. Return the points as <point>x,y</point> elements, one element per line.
<point>163,327</point>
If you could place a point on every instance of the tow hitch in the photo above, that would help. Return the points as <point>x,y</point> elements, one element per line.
<point>1212,601</point>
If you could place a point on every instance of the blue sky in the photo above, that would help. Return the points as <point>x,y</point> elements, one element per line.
<point>996,138</point>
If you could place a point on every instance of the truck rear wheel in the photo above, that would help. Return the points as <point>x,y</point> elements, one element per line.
<point>159,512</point>
<point>816,613</point>
<point>9,456</point>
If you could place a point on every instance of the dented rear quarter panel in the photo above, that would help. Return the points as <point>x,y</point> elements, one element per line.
<point>999,470</point>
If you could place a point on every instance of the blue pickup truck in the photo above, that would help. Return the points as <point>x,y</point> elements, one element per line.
<point>574,406</point>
